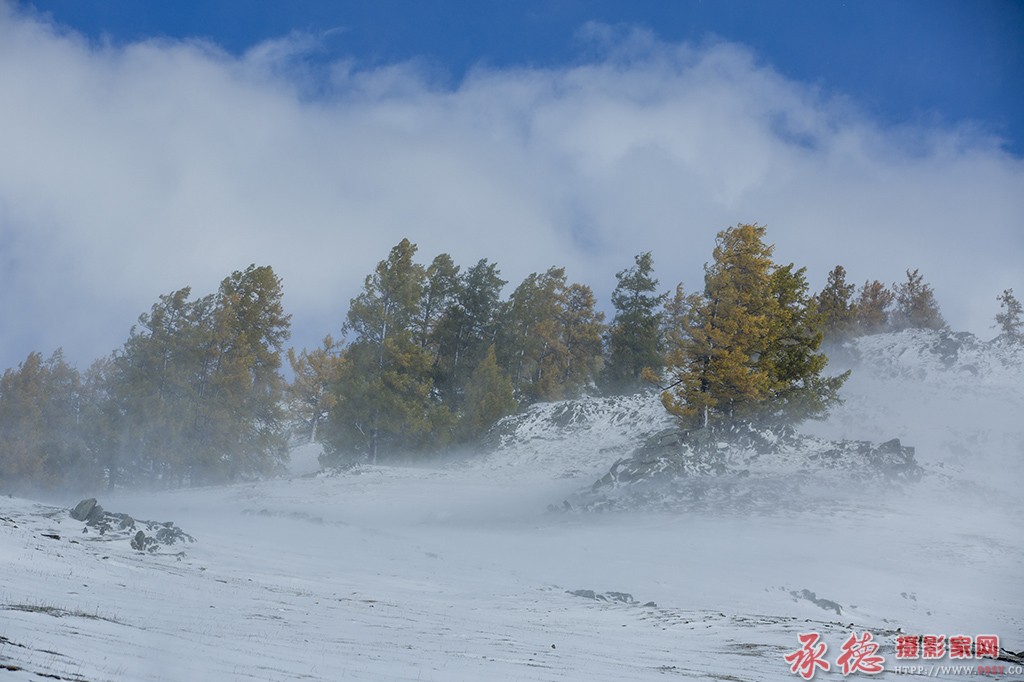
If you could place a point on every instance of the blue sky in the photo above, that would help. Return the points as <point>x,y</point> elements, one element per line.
<point>146,146</point>
<point>936,61</point>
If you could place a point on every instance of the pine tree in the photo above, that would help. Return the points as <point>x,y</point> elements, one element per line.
<point>530,343</point>
<point>384,396</point>
<point>550,342</point>
<point>873,308</point>
<point>834,304</point>
<point>42,442</point>
<point>715,368</point>
<point>467,328</point>
<point>634,336</point>
<point>582,328</point>
<point>1011,319</point>
<point>157,382</point>
<point>441,289</point>
<point>102,421</point>
<point>489,397</point>
<point>247,390</point>
<point>916,307</point>
<point>674,316</point>
<point>310,394</point>
<point>749,349</point>
<point>790,355</point>
<point>197,386</point>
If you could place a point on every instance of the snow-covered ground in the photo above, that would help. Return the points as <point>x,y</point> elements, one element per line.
<point>458,572</point>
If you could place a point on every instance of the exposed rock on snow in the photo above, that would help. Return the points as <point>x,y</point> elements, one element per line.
<point>742,471</point>
<point>83,509</point>
<point>574,438</point>
<point>940,356</point>
<point>611,597</point>
<point>826,604</point>
<point>118,526</point>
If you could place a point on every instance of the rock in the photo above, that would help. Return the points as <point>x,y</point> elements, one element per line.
<point>624,597</point>
<point>743,469</point>
<point>826,604</point>
<point>122,525</point>
<point>83,509</point>
<point>96,515</point>
<point>586,594</point>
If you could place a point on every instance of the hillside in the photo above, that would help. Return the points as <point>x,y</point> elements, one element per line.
<point>457,571</point>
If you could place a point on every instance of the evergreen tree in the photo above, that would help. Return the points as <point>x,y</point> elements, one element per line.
<point>384,395</point>
<point>1011,319</point>
<point>197,387</point>
<point>246,392</point>
<point>489,397</point>
<point>310,394</point>
<point>582,328</point>
<point>834,304</point>
<point>157,381</point>
<point>467,328</point>
<point>674,316</point>
<point>42,443</point>
<point>441,289</point>
<point>102,421</point>
<point>916,307</point>
<point>790,354</point>
<point>749,349</point>
<point>550,341</point>
<point>530,341</point>
<point>714,369</point>
<point>872,309</point>
<point>634,336</point>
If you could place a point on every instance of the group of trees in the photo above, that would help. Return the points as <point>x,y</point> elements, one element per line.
<point>436,356</point>
<point>433,356</point>
<point>847,312</point>
<point>195,395</point>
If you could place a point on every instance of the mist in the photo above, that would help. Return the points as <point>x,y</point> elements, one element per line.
<point>471,567</point>
<point>133,170</point>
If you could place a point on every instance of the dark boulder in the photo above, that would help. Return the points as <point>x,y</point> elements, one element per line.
<point>83,509</point>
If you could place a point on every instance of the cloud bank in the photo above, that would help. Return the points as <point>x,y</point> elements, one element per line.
<point>128,171</point>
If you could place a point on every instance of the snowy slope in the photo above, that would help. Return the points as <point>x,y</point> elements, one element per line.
<point>457,572</point>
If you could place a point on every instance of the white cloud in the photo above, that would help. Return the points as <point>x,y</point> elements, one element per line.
<point>130,171</point>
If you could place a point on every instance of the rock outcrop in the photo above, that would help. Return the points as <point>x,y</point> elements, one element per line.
<point>743,470</point>
<point>116,526</point>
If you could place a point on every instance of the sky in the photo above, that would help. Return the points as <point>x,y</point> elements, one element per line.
<point>148,146</point>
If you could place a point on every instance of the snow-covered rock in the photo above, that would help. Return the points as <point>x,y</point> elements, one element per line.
<point>573,438</point>
<point>939,358</point>
<point>748,471</point>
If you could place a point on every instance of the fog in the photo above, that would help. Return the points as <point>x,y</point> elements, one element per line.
<point>456,569</point>
<point>133,170</point>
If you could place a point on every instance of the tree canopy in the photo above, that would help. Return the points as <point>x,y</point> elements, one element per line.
<point>430,357</point>
<point>750,348</point>
<point>634,337</point>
